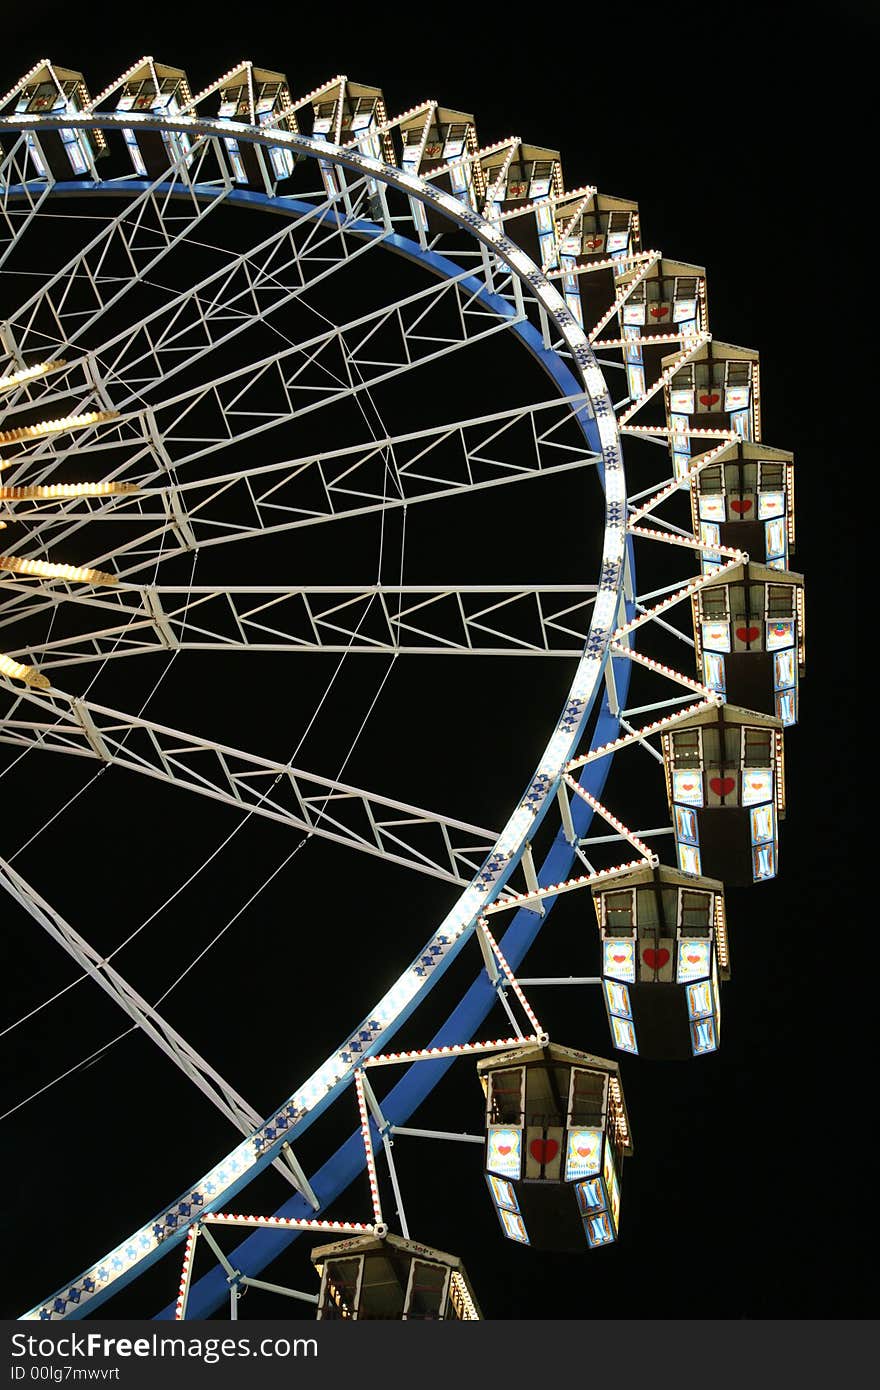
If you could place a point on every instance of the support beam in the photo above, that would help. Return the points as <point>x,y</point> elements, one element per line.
<point>550,620</point>
<point>391,830</point>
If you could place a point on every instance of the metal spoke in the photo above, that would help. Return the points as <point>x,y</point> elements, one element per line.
<point>248,288</point>
<point>447,460</point>
<point>497,620</point>
<point>375,825</point>
<point>138,240</point>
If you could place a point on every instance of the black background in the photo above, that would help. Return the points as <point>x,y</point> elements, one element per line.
<point>746,138</point>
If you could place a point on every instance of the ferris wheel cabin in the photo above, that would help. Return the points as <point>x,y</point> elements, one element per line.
<point>521,192</point>
<point>349,113</point>
<point>746,500</point>
<point>595,235</point>
<point>255,96</point>
<point>155,88</point>
<point>749,632</point>
<point>388,1278</point>
<point>667,300</point>
<point>718,389</point>
<point>726,790</point>
<point>441,144</point>
<point>664,954</point>
<point>556,1136</point>
<point>48,90</point>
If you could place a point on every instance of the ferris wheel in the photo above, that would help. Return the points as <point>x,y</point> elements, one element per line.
<point>297,382</point>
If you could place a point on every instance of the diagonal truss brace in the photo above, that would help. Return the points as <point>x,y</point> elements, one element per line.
<point>347,815</point>
<point>452,619</point>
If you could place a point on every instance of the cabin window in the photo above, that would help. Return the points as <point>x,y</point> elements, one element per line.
<point>756,748</point>
<point>686,748</point>
<point>714,602</point>
<point>772,476</point>
<point>710,479</point>
<point>619,910</point>
<point>505,1096</point>
<point>340,1290</point>
<point>427,1283</point>
<point>780,600</point>
<point>587,1099</point>
<point>695,909</point>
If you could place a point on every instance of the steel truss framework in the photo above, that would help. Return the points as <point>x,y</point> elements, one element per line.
<point>156,438</point>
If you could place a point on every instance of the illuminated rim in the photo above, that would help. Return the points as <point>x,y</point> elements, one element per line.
<point>255,1152</point>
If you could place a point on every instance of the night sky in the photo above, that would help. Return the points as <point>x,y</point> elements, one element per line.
<point>747,1196</point>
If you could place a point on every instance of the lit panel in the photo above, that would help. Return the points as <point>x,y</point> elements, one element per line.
<point>736,397</point>
<point>757,785</point>
<point>598,1229</point>
<point>689,859</point>
<point>694,959</point>
<point>619,959</point>
<point>504,1151</point>
<point>699,999</point>
<point>764,862</point>
<point>582,1153</point>
<point>503,1193</point>
<point>712,507</point>
<point>686,825</point>
<point>513,1226</point>
<point>783,669</point>
<point>762,824</point>
<point>770,504</point>
<point>786,706</point>
<point>687,788</point>
<point>774,541</point>
<point>703,1036</point>
<point>710,534</point>
<point>716,636</point>
<point>624,1035</point>
<point>612,1188</point>
<point>617,998</point>
<point>713,672</point>
<point>636,381</point>
<point>740,421</point>
<point>591,1196</point>
<point>780,633</point>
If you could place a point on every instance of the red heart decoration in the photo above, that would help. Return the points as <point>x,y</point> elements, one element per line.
<point>688,786</point>
<point>741,505</point>
<point>504,1149</point>
<point>655,959</point>
<point>722,786</point>
<point>748,634</point>
<point>584,1153</point>
<point>693,959</point>
<point>593,243</point>
<point>659,311</point>
<point>711,399</point>
<point>619,959</point>
<point>543,1151</point>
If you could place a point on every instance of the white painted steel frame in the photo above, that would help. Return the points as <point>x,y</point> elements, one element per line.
<point>139,619</point>
<point>557,327</point>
